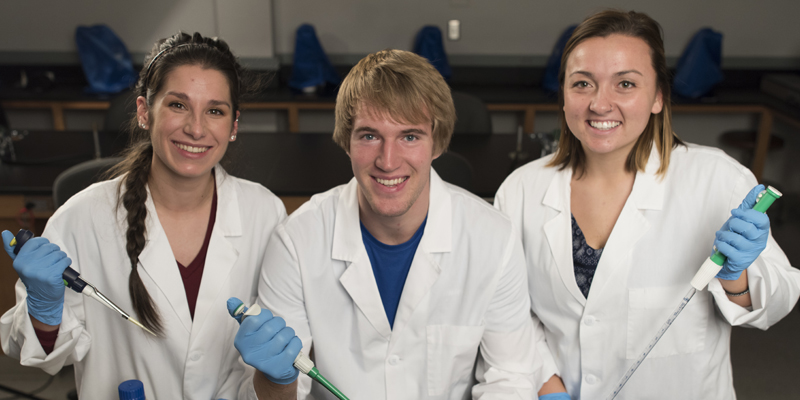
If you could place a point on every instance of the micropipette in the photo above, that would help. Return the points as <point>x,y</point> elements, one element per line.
<point>301,362</point>
<point>73,281</point>
<point>701,279</point>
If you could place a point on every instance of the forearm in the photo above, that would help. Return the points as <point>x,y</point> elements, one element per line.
<point>553,385</point>
<point>737,286</point>
<point>268,390</point>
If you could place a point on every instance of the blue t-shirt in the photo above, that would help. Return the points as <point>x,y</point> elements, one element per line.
<point>390,265</point>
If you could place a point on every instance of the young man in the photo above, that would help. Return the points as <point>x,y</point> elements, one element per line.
<point>400,285</point>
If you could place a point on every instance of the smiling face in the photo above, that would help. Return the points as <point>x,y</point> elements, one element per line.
<point>392,163</point>
<point>191,120</point>
<point>610,92</point>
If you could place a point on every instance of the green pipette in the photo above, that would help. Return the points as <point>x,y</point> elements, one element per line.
<point>301,362</point>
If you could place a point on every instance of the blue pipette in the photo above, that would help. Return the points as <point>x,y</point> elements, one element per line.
<point>73,281</point>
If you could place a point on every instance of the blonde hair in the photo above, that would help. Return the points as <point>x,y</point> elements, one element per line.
<point>659,127</point>
<point>400,85</point>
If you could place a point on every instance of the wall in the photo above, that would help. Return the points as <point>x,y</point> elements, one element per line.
<point>765,29</point>
<point>245,24</point>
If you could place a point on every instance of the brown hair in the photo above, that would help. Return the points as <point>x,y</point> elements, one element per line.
<point>659,128</point>
<point>401,85</point>
<point>166,55</point>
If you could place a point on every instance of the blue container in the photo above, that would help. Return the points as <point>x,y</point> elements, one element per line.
<point>131,390</point>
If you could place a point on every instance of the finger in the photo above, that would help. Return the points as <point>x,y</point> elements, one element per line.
<point>737,241</point>
<point>745,229</point>
<point>7,237</point>
<point>235,305</point>
<point>32,245</point>
<point>751,198</point>
<point>759,219</point>
<point>290,352</point>
<point>727,250</point>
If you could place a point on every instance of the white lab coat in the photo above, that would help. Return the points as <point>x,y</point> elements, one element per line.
<point>663,234</point>
<point>465,290</point>
<point>196,359</point>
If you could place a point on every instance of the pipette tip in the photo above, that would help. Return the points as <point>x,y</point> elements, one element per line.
<point>135,322</point>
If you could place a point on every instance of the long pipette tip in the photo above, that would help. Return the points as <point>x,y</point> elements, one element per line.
<point>135,322</point>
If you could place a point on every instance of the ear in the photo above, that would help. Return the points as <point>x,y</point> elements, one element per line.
<point>142,111</point>
<point>235,126</point>
<point>658,105</point>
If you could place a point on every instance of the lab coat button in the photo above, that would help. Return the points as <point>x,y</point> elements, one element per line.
<point>591,379</point>
<point>394,359</point>
<point>590,320</point>
<point>196,356</point>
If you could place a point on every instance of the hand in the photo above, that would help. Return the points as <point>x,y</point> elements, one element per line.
<point>40,265</point>
<point>743,237</point>
<point>555,396</point>
<point>266,343</point>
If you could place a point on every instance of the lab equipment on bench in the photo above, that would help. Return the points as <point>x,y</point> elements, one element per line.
<point>301,362</point>
<point>73,281</point>
<point>707,272</point>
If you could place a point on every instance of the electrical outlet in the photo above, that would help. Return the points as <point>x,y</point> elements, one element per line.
<point>454,29</point>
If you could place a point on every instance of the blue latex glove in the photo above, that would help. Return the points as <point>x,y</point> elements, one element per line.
<point>40,265</point>
<point>743,237</point>
<point>267,344</point>
<point>556,396</point>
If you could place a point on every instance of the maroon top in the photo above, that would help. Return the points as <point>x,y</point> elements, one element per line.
<point>193,273</point>
<point>47,339</point>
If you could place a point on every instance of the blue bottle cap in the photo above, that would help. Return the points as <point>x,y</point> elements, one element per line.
<point>131,390</point>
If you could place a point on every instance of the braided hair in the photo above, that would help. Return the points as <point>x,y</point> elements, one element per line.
<point>167,54</point>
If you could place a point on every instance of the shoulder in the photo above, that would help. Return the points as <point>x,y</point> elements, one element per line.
<point>705,162</point>
<point>474,214</point>
<point>252,196</point>
<point>98,197</point>
<point>319,209</point>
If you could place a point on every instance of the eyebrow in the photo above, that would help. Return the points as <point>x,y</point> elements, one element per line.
<point>620,73</point>
<point>184,97</point>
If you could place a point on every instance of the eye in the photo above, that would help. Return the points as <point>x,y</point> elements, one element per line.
<point>368,136</point>
<point>409,138</point>
<point>175,104</point>
<point>627,84</point>
<point>580,84</point>
<point>216,111</point>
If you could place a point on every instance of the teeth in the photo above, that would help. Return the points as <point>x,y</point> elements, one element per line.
<point>604,125</point>
<point>390,182</point>
<point>192,149</point>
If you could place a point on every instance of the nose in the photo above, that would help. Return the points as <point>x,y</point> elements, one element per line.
<point>194,126</point>
<point>388,157</point>
<point>601,102</point>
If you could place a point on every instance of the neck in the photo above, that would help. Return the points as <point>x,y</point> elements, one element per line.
<point>179,194</point>
<point>607,167</point>
<point>393,230</point>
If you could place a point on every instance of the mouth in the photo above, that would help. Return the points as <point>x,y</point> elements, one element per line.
<point>191,149</point>
<point>391,182</point>
<point>604,125</point>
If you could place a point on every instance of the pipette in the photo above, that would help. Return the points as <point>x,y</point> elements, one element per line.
<point>301,362</point>
<point>73,281</point>
<point>701,279</point>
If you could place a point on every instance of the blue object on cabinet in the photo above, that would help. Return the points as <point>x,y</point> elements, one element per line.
<point>311,67</point>
<point>699,67</point>
<point>429,44</point>
<point>550,81</point>
<point>105,59</point>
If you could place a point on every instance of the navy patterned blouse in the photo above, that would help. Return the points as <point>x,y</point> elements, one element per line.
<point>584,259</point>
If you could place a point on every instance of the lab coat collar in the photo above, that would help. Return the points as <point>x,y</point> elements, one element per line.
<point>359,280</point>
<point>647,194</point>
<point>158,261</point>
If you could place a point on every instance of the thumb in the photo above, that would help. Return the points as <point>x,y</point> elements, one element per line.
<point>750,200</point>
<point>7,236</point>
<point>236,308</point>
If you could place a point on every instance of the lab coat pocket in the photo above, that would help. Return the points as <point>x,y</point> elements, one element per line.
<point>649,308</point>
<point>451,355</point>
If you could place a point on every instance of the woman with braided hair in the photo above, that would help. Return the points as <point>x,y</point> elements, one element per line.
<point>171,238</point>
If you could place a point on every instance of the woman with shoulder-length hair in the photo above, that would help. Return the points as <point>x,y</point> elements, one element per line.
<point>171,238</point>
<point>617,222</point>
